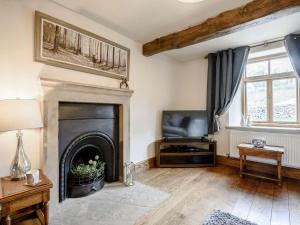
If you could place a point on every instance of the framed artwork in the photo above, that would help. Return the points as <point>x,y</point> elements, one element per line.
<point>61,44</point>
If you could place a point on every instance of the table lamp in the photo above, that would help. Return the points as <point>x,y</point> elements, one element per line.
<point>17,115</point>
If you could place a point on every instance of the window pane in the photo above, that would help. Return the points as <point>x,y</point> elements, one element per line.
<point>281,65</point>
<point>257,100</point>
<point>285,100</point>
<point>257,69</point>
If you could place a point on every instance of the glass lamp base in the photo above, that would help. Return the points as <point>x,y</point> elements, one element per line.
<point>20,164</point>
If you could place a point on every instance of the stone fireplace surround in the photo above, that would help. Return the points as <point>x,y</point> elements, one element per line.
<point>56,91</point>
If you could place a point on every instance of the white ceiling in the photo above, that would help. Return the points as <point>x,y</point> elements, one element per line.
<point>145,20</point>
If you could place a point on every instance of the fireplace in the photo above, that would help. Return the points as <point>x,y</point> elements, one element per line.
<point>55,93</point>
<point>87,131</point>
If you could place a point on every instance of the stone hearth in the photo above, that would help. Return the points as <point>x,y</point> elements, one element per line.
<point>115,204</point>
<point>55,92</point>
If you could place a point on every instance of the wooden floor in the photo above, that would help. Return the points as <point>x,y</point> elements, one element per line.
<point>195,192</point>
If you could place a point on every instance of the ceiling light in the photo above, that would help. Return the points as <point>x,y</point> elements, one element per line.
<point>190,1</point>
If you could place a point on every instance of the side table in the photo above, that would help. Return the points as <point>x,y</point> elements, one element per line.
<point>18,200</point>
<point>268,152</point>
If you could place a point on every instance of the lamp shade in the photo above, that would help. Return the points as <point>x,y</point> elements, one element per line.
<point>19,114</point>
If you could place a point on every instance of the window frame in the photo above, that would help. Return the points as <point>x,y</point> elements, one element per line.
<point>269,80</point>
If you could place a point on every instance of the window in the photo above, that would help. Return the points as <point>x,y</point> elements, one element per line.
<point>271,90</point>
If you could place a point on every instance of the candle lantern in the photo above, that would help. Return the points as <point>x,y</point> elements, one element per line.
<point>129,173</point>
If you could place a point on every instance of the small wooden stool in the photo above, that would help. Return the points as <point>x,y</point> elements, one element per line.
<point>268,152</point>
<point>18,200</point>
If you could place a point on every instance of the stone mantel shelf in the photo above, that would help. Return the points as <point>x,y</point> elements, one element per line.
<point>83,87</point>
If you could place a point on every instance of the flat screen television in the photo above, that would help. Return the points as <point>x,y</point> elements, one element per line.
<point>184,124</point>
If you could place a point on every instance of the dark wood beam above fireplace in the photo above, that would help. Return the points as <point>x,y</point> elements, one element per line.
<point>254,13</point>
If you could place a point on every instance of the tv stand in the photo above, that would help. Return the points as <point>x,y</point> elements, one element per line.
<point>185,152</point>
<point>191,139</point>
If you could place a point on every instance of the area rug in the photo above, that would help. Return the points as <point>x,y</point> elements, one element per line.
<point>219,217</point>
<point>115,204</point>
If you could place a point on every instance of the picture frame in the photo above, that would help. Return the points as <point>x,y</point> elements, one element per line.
<point>60,44</point>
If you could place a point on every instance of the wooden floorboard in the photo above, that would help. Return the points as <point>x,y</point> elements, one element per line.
<point>294,202</point>
<point>196,192</point>
<point>261,209</point>
<point>245,191</point>
<point>280,208</point>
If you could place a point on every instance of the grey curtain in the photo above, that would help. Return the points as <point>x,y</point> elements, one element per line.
<point>292,44</point>
<point>225,70</point>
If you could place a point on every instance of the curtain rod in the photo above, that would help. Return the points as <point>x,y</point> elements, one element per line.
<point>266,43</point>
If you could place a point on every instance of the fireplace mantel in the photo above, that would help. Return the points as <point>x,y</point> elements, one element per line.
<point>86,88</point>
<point>55,91</point>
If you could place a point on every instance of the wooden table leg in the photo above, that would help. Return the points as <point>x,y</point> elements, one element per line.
<point>157,153</point>
<point>245,162</point>
<point>241,166</point>
<point>279,171</point>
<point>40,216</point>
<point>45,209</point>
<point>0,213</point>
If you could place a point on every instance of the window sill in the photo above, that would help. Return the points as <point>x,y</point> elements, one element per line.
<point>281,130</point>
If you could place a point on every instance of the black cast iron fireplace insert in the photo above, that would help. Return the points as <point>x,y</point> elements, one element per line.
<point>86,131</point>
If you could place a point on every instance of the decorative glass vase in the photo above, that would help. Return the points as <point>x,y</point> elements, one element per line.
<point>249,121</point>
<point>243,121</point>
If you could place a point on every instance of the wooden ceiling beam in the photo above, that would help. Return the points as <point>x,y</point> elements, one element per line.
<point>254,13</point>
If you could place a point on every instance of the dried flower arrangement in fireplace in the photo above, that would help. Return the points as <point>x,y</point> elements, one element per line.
<point>94,169</point>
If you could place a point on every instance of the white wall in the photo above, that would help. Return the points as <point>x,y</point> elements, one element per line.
<point>191,92</point>
<point>150,78</point>
<point>191,83</point>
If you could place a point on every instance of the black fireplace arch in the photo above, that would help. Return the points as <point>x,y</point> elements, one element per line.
<point>90,143</point>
